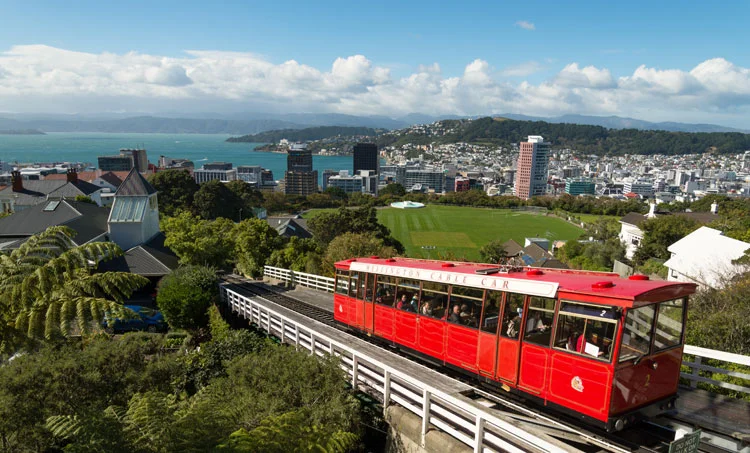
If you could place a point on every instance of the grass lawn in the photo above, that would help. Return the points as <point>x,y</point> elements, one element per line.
<point>463,230</point>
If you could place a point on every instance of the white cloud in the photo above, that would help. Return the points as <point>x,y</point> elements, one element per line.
<point>526,25</point>
<point>522,70</point>
<point>39,78</point>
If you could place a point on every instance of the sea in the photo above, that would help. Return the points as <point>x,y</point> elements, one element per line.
<point>58,147</point>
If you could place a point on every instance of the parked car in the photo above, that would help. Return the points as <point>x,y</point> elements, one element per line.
<point>146,319</point>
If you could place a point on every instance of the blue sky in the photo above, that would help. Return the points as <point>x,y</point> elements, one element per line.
<point>403,38</point>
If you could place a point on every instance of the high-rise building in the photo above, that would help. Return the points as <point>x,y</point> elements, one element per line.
<point>366,157</point>
<point>532,168</point>
<point>327,173</point>
<point>116,163</point>
<point>140,159</point>
<point>580,186</point>
<point>300,178</point>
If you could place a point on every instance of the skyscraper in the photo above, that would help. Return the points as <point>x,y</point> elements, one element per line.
<point>532,167</point>
<point>366,157</point>
<point>300,178</point>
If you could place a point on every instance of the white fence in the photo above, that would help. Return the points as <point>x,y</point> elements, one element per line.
<point>697,354</point>
<point>467,422</point>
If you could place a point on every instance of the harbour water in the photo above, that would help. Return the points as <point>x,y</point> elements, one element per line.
<point>200,148</point>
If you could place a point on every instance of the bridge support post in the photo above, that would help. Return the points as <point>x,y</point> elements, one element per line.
<point>386,391</point>
<point>696,371</point>
<point>355,377</point>
<point>479,436</point>
<point>425,416</point>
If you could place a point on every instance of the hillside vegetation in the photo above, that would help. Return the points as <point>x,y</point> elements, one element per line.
<point>302,135</point>
<point>590,139</point>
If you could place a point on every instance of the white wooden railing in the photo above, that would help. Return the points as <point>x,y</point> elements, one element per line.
<point>696,365</point>
<point>464,420</point>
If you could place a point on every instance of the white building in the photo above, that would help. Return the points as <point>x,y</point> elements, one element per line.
<point>705,257</point>
<point>134,217</point>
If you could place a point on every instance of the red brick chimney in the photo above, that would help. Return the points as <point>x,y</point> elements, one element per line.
<point>72,175</point>
<point>17,181</point>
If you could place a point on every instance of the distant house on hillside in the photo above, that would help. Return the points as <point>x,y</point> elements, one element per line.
<point>290,226</point>
<point>631,234</point>
<point>705,257</point>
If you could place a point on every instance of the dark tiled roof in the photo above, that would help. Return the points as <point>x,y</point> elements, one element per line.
<point>633,218</point>
<point>71,190</point>
<point>135,185</point>
<point>88,220</point>
<point>111,178</point>
<point>535,252</point>
<point>151,259</point>
<point>290,226</point>
<point>34,192</point>
<point>512,248</point>
<point>551,263</point>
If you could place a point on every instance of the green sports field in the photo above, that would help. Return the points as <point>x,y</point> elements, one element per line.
<point>463,230</point>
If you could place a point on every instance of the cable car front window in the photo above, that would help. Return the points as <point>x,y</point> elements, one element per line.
<point>636,333</point>
<point>669,324</point>
<point>342,282</point>
<point>586,329</point>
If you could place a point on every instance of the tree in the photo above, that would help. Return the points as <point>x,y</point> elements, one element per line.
<point>661,232</point>
<point>394,189</point>
<point>336,193</point>
<point>493,252</point>
<point>84,199</point>
<point>200,242</point>
<point>185,295</point>
<point>254,240</point>
<point>302,255</point>
<point>176,190</point>
<point>213,200</point>
<point>244,197</point>
<point>48,282</point>
<point>352,245</point>
<point>327,226</point>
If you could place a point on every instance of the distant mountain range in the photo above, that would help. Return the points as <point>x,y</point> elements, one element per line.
<point>254,123</point>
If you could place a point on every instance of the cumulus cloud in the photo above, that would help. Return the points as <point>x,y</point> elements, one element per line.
<point>526,25</point>
<point>43,78</point>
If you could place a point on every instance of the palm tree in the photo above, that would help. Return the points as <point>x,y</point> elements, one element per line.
<point>49,282</point>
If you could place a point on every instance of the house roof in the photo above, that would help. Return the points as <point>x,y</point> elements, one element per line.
<point>112,178</point>
<point>512,248</point>
<point>151,259</point>
<point>73,189</point>
<point>135,185</point>
<point>88,220</point>
<point>34,192</point>
<point>706,255</point>
<point>90,176</point>
<point>633,218</point>
<point>290,226</point>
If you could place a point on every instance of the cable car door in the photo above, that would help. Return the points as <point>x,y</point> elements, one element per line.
<point>369,306</point>
<point>509,345</point>
<point>489,330</point>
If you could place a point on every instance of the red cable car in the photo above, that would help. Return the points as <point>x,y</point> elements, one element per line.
<point>603,348</point>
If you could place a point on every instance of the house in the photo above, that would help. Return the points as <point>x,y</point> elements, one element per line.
<point>22,194</point>
<point>290,226</point>
<point>631,234</point>
<point>705,257</point>
<point>532,255</point>
<point>132,223</point>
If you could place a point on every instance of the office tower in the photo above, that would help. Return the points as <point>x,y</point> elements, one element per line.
<point>300,178</point>
<point>116,163</point>
<point>140,159</point>
<point>532,167</point>
<point>366,157</point>
<point>222,171</point>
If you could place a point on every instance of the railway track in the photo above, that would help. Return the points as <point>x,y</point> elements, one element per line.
<point>643,437</point>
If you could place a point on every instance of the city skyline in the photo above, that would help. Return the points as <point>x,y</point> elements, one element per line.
<point>681,63</point>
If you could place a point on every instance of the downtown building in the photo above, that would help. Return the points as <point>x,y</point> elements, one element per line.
<point>299,177</point>
<point>366,157</point>
<point>221,171</point>
<point>125,161</point>
<point>532,168</point>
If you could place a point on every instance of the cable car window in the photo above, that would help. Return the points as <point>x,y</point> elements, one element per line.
<point>434,299</point>
<point>636,333</point>
<point>585,329</point>
<point>539,321</point>
<point>364,290</point>
<point>512,315</point>
<point>465,306</point>
<point>491,314</point>
<point>354,284</point>
<point>385,290</point>
<point>669,324</point>
<point>407,295</point>
<point>342,282</point>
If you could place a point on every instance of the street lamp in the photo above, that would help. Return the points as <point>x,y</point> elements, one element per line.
<point>240,215</point>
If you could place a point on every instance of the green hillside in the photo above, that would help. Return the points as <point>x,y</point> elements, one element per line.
<point>303,135</point>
